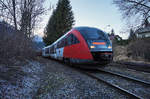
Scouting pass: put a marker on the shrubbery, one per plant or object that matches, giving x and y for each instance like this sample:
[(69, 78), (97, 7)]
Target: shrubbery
[(140, 48), (136, 48), (14, 44)]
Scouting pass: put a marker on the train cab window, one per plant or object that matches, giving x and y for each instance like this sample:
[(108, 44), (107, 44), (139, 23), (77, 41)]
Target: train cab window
[(93, 34)]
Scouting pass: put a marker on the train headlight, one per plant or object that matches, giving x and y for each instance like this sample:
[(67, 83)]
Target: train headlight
[(92, 46), (109, 47)]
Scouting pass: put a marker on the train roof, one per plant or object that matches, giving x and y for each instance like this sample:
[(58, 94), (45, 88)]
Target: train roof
[(86, 28)]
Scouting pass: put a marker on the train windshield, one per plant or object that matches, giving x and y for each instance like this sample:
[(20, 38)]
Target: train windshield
[(93, 34)]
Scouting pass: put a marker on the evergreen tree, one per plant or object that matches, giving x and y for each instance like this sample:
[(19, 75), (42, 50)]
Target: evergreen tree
[(60, 22)]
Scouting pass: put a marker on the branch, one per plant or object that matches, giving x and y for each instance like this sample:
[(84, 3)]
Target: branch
[(3, 4), (138, 3)]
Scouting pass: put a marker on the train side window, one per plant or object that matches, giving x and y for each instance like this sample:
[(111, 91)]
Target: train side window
[(69, 40), (59, 44), (52, 49), (47, 50), (62, 43), (75, 40)]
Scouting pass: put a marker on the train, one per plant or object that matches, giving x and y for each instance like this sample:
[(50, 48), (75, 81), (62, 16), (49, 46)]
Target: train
[(81, 45)]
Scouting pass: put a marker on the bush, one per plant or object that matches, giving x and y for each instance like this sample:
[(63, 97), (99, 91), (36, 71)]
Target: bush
[(121, 42), (140, 48), (14, 44)]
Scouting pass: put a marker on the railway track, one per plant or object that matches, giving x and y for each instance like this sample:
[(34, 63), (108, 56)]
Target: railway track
[(136, 66), (125, 76), (131, 93)]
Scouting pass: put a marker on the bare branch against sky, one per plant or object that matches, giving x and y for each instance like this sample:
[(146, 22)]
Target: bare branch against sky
[(132, 9), (23, 14)]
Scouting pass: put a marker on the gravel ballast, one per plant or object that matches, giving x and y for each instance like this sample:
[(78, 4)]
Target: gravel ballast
[(50, 79), (65, 82), (22, 83), (132, 86)]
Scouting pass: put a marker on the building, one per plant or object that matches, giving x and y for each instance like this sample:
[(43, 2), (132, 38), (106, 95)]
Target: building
[(143, 32)]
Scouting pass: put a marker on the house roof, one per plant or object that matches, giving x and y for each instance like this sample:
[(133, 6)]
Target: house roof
[(143, 30)]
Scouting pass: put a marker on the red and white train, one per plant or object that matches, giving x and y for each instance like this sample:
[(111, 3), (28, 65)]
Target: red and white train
[(81, 45)]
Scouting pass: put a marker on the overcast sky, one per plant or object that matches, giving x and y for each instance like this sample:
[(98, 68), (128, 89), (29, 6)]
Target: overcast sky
[(101, 14)]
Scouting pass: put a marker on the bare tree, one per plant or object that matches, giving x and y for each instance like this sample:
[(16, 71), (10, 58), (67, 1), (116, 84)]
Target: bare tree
[(30, 11), (24, 14), (132, 8)]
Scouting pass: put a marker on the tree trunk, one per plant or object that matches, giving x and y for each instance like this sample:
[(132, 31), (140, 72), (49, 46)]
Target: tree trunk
[(14, 13)]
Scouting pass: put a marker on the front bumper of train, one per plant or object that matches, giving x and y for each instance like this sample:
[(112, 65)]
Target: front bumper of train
[(102, 56)]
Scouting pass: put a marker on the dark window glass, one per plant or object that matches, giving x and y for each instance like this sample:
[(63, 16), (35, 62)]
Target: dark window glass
[(71, 39), (52, 49), (65, 42), (93, 34), (47, 51), (74, 40), (59, 44), (68, 40)]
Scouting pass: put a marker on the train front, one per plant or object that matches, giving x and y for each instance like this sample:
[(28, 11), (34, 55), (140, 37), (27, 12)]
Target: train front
[(99, 44)]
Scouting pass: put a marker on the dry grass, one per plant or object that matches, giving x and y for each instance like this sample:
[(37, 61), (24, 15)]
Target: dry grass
[(120, 53)]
